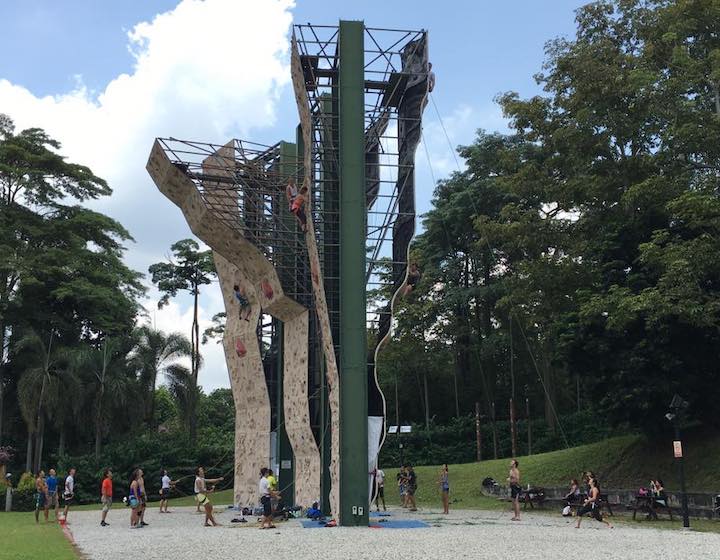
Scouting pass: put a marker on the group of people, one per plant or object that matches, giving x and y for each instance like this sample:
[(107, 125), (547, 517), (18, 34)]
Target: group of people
[(407, 486), (47, 497)]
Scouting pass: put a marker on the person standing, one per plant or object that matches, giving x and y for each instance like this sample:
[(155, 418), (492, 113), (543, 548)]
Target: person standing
[(444, 483), (515, 489), (41, 496), (134, 499), (265, 492), (165, 488), (202, 491), (143, 500), (411, 488), (106, 496), (69, 493), (380, 489), (52, 484)]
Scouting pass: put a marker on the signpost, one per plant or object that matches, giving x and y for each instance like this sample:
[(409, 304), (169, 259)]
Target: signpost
[(677, 405)]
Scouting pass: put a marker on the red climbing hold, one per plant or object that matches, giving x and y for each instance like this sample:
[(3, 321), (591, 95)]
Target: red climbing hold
[(267, 289), (240, 348)]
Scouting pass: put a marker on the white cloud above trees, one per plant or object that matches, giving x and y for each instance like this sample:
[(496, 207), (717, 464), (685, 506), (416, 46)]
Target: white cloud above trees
[(206, 70)]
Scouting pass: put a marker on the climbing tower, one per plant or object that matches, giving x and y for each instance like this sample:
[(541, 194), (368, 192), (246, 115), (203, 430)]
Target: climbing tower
[(302, 375)]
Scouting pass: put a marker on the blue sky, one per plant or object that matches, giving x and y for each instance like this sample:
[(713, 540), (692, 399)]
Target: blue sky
[(105, 81)]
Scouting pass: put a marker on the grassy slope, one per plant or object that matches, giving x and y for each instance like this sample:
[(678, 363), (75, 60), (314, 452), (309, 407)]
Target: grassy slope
[(621, 462), (22, 539)]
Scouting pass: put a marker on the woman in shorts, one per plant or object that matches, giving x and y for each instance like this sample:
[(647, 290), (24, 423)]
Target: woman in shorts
[(134, 499), (592, 505), (444, 483), (201, 494)]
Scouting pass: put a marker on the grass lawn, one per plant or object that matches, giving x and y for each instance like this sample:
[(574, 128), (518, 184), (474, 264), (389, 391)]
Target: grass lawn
[(22, 539)]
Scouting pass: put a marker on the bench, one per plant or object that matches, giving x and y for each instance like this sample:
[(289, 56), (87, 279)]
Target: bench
[(532, 496), (650, 505)]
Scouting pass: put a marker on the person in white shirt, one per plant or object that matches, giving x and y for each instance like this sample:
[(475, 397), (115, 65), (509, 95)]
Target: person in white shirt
[(380, 488), (266, 493), (165, 488), (69, 494), (430, 78)]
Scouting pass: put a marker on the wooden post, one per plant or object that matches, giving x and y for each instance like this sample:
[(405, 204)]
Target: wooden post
[(513, 431), (527, 415), (478, 436)]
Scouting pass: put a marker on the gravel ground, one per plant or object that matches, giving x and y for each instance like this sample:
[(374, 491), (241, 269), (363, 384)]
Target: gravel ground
[(180, 535)]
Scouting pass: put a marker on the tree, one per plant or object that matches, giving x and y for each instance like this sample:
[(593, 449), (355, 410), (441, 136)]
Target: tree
[(188, 270), (108, 383), (155, 352), (61, 266), (216, 330), (46, 385)]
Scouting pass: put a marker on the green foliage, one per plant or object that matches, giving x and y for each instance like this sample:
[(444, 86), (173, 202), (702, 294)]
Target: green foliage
[(575, 261), (26, 482)]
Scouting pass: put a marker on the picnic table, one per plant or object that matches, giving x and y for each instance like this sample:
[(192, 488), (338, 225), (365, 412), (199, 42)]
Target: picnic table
[(532, 495), (649, 504)]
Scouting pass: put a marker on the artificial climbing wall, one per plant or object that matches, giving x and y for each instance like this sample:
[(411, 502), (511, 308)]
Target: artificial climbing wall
[(297, 414), (331, 369), (247, 379)]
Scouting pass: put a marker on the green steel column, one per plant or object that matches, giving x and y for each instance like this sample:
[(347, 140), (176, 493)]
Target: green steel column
[(286, 474), (353, 334)]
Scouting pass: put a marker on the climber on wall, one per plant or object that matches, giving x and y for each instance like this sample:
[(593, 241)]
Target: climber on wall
[(412, 279), (245, 308), (298, 208)]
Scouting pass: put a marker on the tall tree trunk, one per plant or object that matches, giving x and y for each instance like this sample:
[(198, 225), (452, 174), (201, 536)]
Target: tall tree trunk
[(39, 442), (29, 451), (457, 401), (192, 400), (98, 422), (2, 400), (427, 403), (61, 441)]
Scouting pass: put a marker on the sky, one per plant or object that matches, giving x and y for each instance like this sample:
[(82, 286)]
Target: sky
[(105, 78)]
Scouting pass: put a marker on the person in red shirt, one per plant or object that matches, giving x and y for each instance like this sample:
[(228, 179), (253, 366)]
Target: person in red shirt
[(106, 494)]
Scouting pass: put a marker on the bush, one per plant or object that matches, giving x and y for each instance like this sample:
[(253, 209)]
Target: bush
[(152, 452)]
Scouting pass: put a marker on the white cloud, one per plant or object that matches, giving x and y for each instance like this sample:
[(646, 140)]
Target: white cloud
[(206, 70)]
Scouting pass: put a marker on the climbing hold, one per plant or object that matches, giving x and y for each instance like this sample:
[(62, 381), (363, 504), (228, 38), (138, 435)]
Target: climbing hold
[(240, 349), (267, 289)]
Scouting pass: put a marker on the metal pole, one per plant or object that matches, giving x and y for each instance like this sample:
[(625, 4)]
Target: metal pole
[(681, 472), (353, 330), (478, 435)]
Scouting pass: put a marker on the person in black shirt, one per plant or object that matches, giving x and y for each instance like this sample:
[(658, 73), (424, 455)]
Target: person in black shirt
[(411, 488)]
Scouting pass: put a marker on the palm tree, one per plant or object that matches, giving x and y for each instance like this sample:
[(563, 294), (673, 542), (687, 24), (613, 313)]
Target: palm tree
[(41, 387), (180, 384), (108, 382), (154, 353)]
